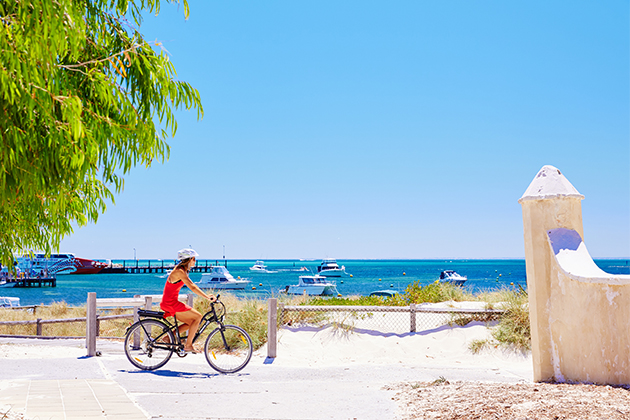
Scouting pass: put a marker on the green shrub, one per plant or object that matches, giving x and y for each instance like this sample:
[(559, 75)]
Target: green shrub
[(513, 330), (433, 292), (414, 293)]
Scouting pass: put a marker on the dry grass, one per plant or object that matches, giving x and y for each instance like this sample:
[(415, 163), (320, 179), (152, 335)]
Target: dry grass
[(443, 400), (60, 310)]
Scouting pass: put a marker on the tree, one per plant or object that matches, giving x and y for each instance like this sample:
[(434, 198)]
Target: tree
[(83, 99)]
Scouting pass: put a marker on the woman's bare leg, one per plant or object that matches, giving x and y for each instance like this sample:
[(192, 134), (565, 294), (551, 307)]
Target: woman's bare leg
[(191, 319)]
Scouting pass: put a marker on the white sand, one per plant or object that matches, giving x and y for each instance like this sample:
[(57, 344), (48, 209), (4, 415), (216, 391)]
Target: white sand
[(336, 347), (440, 346)]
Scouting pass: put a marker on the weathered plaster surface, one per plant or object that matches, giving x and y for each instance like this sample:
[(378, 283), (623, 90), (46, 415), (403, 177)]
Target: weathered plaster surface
[(579, 314)]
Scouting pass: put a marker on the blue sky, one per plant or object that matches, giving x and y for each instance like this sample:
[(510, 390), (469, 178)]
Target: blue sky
[(373, 129)]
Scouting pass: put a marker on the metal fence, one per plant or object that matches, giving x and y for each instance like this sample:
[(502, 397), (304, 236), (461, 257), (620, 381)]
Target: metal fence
[(384, 319)]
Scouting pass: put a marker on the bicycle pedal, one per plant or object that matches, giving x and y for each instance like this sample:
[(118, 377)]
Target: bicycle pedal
[(182, 353)]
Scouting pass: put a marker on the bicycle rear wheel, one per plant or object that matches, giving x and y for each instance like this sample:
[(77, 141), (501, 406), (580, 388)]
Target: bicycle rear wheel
[(228, 349), (144, 345)]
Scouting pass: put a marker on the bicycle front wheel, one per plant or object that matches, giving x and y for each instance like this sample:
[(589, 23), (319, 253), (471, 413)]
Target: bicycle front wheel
[(147, 344), (228, 349)]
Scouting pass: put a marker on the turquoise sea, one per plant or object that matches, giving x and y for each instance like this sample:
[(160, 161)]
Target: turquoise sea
[(367, 276)]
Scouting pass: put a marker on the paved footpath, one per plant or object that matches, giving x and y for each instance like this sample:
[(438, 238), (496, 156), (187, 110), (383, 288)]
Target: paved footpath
[(68, 386)]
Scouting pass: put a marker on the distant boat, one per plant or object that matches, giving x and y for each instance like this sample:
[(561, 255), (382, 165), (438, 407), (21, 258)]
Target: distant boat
[(450, 276), (7, 284), (384, 293), (313, 286), (260, 267), (330, 268), (220, 278)]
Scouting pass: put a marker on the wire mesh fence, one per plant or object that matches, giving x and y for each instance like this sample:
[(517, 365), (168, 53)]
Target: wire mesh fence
[(384, 319)]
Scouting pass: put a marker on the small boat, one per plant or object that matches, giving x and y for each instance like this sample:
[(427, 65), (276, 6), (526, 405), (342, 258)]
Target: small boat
[(220, 278), (450, 276), (260, 267), (9, 302), (313, 286), (330, 268), (384, 293), (6, 284)]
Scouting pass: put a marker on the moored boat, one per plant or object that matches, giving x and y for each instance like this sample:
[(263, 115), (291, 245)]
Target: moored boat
[(330, 268), (67, 263), (7, 284), (450, 276), (85, 266), (313, 286), (220, 278)]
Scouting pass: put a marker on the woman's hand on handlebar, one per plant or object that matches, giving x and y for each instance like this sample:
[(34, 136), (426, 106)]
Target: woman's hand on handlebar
[(213, 298)]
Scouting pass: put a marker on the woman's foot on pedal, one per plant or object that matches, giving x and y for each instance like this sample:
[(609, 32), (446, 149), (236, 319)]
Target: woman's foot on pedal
[(191, 350)]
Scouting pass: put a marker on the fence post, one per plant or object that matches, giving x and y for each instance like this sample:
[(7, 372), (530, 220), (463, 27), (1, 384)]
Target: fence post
[(136, 318), (148, 303), (90, 327), (190, 299), (412, 314), (39, 326), (272, 327)]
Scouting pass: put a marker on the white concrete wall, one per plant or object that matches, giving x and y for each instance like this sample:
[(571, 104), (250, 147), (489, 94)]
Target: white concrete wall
[(580, 315)]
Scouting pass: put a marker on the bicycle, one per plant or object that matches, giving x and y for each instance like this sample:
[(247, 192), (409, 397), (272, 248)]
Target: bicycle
[(150, 342)]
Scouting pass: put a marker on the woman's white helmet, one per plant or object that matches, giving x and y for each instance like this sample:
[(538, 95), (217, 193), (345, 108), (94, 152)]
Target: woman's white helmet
[(184, 254)]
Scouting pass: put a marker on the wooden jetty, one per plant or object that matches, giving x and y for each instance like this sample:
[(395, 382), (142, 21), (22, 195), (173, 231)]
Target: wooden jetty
[(202, 266), (34, 282)]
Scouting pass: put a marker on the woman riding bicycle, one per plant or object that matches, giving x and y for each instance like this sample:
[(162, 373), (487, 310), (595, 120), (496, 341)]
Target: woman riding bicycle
[(171, 305)]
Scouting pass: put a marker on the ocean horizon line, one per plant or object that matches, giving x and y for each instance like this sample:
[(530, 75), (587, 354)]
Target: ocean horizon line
[(349, 259)]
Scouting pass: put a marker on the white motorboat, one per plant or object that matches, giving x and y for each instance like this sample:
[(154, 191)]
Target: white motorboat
[(450, 276), (6, 284), (9, 302), (330, 268), (313, 286), (260, 267), (220, 278)]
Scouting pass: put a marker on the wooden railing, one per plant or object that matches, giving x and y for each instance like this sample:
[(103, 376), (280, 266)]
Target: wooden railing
[(92, 319)]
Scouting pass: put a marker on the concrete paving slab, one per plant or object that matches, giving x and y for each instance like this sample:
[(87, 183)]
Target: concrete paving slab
[(188, 388), (69, 398)]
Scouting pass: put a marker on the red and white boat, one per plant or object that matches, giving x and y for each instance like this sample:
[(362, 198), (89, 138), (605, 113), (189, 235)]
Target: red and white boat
[(35, 264), (85, 266)]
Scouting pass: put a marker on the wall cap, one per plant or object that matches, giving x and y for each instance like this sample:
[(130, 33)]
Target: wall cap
[(549, 183)]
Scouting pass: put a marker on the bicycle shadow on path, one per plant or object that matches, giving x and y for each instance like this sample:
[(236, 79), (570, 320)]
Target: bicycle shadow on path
[(166, 373)]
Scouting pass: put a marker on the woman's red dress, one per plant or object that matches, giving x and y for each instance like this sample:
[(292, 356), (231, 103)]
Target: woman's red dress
[(170, 303)]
